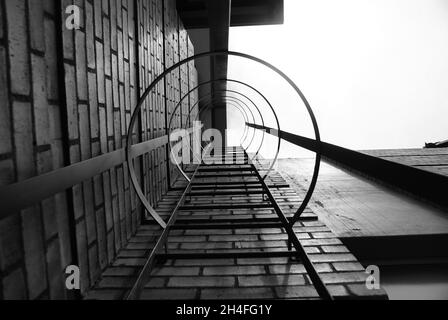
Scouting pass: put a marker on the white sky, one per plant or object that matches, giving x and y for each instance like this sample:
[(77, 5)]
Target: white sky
[(374, 72)]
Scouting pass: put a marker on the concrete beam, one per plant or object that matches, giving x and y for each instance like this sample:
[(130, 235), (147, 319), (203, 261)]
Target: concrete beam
[(219, 12), (243, 13)]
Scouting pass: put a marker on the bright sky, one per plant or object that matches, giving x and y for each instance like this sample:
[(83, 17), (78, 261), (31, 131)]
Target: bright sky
[(374, 71)]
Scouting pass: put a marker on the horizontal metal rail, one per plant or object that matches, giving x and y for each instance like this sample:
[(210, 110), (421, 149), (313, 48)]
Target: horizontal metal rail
[(21, 195)]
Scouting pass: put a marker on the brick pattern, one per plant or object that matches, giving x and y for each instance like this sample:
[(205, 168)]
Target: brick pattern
[(236, 278), (153, 110), (193, 81), (108, 62), (34, 244), (172, 82), (178, 82), (184, 75), (100, 62), (119, 64)]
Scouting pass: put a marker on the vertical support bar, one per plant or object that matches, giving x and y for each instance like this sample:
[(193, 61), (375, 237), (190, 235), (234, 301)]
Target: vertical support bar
[(313, 274), (219, 13)]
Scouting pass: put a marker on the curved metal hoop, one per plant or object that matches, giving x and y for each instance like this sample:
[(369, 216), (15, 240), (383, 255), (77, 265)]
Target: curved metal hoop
[(243, 95), (253, 136), (261, 116), (236, 103), (202, 110), (137, 110), (200, 100), (242, 111), (229, 80), (264, 98), (207, 96), (237, 100)]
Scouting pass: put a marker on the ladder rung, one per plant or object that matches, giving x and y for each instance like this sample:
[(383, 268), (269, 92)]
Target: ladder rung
[(226, 187), (214, 165), (230, 254), (229, 187), (208, 193), (215, 187), (224, 169), (227, 155), (215, 226), (228, 222), (226, 183), (225, 206), (204, 176)]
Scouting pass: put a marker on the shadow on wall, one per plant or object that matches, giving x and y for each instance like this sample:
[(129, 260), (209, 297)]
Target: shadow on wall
[(415, 282)]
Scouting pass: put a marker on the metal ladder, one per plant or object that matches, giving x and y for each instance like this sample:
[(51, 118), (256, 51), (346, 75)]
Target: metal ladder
[(197, 188)]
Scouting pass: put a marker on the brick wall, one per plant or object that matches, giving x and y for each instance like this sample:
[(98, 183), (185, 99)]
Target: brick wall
[(153, 112), (35, 243), (193, 81), (67, 96)]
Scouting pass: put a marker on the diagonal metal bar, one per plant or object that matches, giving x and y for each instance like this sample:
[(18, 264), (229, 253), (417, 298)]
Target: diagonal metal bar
[(21, 195), (420, 183), (302, 255), (145, 273)]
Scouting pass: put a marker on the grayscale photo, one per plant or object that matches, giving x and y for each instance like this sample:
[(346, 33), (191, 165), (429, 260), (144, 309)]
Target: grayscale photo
[(223, 158)]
